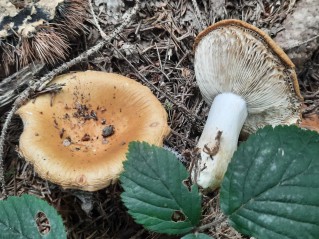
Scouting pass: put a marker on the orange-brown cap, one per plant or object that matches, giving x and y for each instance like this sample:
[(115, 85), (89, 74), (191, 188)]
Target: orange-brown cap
[(234, 56), (79, 137)]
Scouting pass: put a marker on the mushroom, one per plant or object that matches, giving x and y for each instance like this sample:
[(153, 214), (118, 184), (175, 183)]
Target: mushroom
[(78, 138), (249, 83)]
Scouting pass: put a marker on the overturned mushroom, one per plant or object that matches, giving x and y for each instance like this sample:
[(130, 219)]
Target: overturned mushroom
[(81, 139), (249, 83)]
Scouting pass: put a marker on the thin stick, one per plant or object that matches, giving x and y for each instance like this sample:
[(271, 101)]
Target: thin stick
[(159, 57), (212, 224), (2, 139), (198, 15), (102, 33), (45, 80), (11, 86), (302, 43)]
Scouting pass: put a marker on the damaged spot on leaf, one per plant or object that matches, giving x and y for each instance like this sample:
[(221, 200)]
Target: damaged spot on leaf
[(43, 223), (188, 184), (178, 216)]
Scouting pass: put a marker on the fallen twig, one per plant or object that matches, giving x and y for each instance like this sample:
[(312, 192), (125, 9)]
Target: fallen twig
[(302, 43), (198, 15), (11, 86), (212, 224)]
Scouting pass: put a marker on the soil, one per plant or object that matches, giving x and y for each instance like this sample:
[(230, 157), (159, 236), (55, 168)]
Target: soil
[(158, 45)]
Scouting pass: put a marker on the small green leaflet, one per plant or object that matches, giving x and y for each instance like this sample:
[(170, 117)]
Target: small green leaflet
[(18, 218), (197, 236), (271, 187), (154, 192)]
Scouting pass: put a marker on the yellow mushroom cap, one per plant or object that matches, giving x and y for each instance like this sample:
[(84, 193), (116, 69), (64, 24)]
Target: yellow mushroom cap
[(65, 137)]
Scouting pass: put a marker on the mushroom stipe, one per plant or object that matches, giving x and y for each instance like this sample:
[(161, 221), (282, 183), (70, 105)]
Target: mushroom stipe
[(83, 137)]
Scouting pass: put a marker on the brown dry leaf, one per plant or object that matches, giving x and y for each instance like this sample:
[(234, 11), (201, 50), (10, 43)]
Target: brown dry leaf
[(186, 72), (310, 122)]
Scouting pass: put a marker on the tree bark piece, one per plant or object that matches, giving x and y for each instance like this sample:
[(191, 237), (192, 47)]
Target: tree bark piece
[(301, 35)]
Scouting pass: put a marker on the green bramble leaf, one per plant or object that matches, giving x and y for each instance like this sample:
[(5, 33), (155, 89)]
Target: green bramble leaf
[(154, 192), (19, 219), (271, 187)]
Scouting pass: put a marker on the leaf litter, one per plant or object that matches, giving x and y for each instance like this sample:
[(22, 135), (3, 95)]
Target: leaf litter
[(158, 44)]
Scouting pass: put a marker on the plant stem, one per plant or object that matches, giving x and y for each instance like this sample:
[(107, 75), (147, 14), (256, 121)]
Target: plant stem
[(212, 224)]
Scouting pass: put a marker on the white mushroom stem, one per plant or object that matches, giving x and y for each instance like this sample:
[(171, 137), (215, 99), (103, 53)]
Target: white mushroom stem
[(219, 139)]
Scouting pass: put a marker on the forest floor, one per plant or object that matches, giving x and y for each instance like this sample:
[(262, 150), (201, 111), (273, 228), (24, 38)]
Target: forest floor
[(157, 45)]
